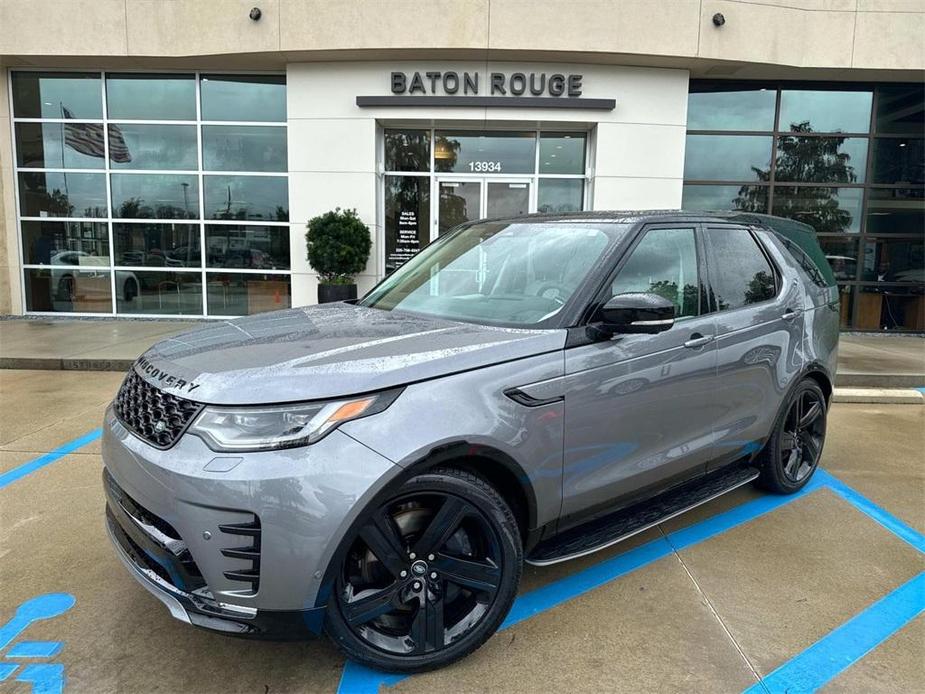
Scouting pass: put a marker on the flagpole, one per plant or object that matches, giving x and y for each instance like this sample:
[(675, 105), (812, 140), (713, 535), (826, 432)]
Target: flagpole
[(67, 193)]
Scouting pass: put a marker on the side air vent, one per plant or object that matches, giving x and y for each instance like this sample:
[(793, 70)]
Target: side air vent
[(248, 533)]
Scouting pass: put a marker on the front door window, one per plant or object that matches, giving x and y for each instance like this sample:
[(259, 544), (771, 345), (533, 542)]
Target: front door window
[(467, 200)]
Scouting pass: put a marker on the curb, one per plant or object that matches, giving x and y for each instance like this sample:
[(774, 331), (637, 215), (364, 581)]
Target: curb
[(880, 396), (878, 380), (48, 364)]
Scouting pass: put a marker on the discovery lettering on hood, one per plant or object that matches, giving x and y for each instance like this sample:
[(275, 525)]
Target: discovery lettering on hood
[(164, 378)]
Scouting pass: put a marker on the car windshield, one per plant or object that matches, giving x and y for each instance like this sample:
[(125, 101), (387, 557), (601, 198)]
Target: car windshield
[(517, 274)]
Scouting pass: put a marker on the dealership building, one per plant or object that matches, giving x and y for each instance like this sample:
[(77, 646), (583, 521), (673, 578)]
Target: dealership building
[(162, 158)]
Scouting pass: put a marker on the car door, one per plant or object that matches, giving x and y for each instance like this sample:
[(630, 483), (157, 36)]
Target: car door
[(759, 332), (638, 408)]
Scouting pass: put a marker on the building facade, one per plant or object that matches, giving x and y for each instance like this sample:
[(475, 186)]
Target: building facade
[(163, 158)]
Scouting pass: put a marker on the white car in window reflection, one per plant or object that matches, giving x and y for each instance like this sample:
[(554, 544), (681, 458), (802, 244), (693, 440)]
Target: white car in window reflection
[(70, 267)]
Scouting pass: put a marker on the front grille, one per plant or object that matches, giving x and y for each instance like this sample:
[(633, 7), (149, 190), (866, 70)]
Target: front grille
[(156, 417)]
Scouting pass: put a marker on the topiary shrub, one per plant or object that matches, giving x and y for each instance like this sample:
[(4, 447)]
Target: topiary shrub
[(338, 246)]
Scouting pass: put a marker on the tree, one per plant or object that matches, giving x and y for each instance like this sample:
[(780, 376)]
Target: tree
[(805, 159)]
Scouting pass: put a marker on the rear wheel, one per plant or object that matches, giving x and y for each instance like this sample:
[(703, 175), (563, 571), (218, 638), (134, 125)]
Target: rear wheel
[(429, 576), (793, 452)]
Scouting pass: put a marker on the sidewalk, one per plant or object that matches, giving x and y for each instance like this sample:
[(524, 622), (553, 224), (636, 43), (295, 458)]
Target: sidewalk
[(865, 361)]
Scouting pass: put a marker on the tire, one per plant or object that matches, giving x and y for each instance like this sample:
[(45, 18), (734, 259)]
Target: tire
[(792, 453), (415, 622)]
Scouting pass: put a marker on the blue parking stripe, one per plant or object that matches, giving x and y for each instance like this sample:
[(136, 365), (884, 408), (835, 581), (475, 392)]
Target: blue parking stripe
[(34, 649), (841, 648), (7, 478), (865, 505)]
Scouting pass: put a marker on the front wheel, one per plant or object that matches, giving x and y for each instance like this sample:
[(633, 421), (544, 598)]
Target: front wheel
[(429, 576), (793, 451)]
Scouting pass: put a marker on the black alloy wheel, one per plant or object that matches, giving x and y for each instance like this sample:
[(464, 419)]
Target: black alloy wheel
[(793, 452), (429, 575)]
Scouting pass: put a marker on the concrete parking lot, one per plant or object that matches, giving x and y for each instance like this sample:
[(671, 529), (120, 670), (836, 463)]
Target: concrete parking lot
[(820, 591)]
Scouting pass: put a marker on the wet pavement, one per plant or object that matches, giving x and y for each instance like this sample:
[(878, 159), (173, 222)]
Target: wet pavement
[(746, 587)]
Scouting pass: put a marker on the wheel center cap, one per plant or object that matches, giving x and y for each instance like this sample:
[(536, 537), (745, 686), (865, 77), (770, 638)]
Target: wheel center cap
[(419, 568)]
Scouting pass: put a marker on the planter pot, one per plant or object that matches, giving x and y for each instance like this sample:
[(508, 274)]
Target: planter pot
[(336, 292)]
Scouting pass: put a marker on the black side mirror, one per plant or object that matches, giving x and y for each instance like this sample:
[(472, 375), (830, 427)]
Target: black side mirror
[(637, 313)]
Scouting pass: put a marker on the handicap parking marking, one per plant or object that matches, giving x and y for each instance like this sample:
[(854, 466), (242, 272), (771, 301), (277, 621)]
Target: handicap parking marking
[(27, 468), (889, 611), (46, 678)]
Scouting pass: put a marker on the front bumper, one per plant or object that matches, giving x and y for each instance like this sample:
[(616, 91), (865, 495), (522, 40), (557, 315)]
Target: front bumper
[(239, 543)]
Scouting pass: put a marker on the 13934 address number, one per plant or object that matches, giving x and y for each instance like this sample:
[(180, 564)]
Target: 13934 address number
[(485, 166)]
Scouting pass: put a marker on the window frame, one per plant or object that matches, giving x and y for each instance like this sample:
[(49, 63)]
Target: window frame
[(775, 270), (107, 170)]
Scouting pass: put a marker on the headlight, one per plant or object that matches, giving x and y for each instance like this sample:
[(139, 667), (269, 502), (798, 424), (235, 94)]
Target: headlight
[(281, 426)]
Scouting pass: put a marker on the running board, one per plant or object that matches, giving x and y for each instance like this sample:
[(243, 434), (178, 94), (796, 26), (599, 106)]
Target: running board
[(608, 530)]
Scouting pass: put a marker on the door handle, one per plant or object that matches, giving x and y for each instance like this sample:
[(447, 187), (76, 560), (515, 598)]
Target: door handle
[(790, 314), (698, 340)]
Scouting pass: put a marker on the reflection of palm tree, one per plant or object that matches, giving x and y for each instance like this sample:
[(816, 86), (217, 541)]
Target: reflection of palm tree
[(804, 160)]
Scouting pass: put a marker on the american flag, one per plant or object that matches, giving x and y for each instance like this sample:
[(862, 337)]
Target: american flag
[(87, 138)]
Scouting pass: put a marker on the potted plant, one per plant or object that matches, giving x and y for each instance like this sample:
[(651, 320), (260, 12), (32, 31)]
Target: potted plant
[(338, 248)]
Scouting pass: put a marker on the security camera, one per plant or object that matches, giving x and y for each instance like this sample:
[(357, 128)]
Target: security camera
[(256, 14), (718, 19)]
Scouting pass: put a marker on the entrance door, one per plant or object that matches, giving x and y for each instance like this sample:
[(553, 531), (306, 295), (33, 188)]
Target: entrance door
[(465, 200)]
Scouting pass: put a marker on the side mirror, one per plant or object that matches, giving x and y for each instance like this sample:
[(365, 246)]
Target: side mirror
[(637, 313)]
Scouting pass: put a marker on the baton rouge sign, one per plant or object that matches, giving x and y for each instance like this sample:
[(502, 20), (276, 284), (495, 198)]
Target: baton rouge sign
[(517, 83), (514, 89)]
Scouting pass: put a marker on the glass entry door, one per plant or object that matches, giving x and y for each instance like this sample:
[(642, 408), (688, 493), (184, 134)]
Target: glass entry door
[(465, 200)]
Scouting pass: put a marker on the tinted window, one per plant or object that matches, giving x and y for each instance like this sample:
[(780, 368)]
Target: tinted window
[(664, 263), (243, 97), (727, 157), (486, 152), (151, 97), (136, 146), (407, 150), (743, 275), (825, 111), (243, 148), (57, 95), (731, 108), (745, 197), (562, 153)]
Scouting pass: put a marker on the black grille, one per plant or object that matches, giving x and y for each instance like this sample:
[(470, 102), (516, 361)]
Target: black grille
[(151, 414)]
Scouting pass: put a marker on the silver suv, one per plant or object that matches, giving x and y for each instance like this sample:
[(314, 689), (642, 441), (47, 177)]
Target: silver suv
[(529, 389)]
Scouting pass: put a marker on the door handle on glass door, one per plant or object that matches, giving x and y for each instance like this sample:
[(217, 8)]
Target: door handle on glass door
[(698, 340)]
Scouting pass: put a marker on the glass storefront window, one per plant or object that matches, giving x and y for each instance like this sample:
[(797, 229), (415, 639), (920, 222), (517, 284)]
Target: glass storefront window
[(156, 245), (246, 198), (159, 292), (247, 247), (59, 145), (896, 211), (821, 160), (155, 171), (485, 152), (745, 197), (145, 96), (890, 307), (407, 150), (65, 243), (562, 153), (165, 147), (827, 210), (60, 194), (560, 195), (824, 111), (243, 148), (407, 218), (237, 294), (899, 161), (727, 157), (894, 260), (842, 254), (68, 290), (254, 98), (155, 196), (731, 108), (57, 95), (901, 109)]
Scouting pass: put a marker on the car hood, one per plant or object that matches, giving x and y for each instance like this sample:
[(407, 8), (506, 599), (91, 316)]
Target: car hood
[(327, 351)]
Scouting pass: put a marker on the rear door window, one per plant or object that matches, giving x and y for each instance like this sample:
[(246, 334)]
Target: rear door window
[(740, 273)]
